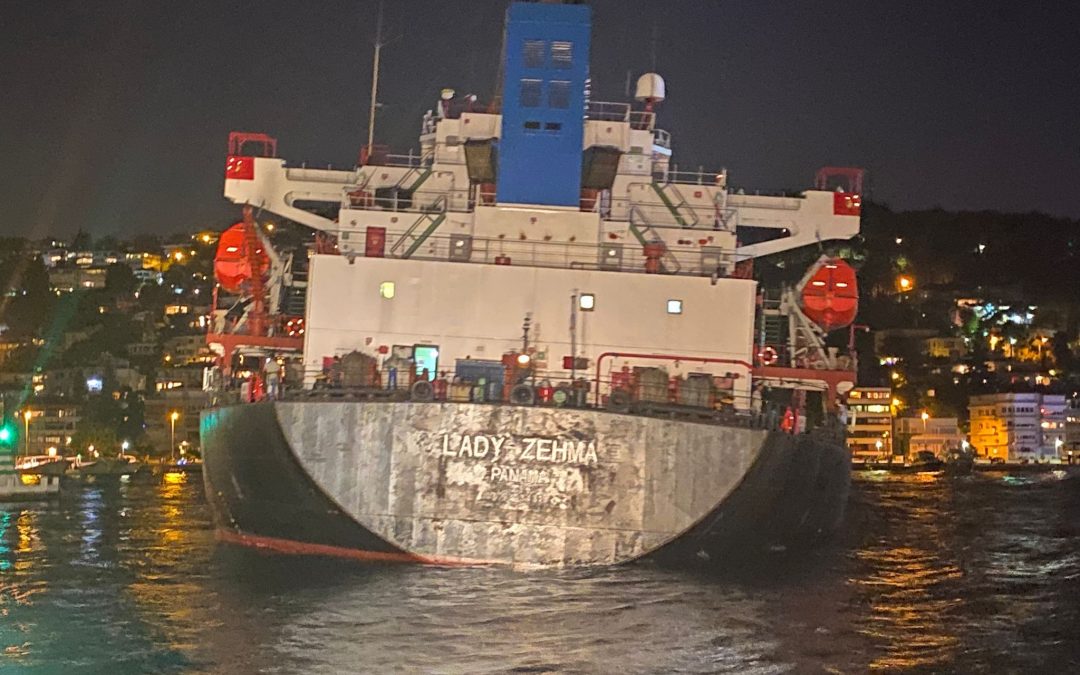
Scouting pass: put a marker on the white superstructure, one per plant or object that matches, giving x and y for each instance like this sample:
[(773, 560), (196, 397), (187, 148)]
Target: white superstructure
[(633, 264)]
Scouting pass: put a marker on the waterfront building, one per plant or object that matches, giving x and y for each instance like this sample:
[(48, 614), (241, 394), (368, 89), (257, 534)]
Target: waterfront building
[(1015, 427), (937, 435), (870, 423), (47, 426), (187, 403), (1072, 428)]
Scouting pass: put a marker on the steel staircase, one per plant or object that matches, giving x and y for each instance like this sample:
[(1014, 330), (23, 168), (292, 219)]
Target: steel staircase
[(674, 206), (410, 241), (646, 234)]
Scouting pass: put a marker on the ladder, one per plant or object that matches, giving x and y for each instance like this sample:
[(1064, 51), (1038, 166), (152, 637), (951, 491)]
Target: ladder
[(646, 234), (411, 241), (673, 207), (421, 174)]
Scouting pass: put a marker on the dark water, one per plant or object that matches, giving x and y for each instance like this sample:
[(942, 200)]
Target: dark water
[(980, 574)]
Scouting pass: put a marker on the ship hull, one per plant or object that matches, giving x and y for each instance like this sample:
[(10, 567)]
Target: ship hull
[(448, 484)]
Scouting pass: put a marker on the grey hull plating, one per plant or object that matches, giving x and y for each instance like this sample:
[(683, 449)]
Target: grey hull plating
[(524, 486)]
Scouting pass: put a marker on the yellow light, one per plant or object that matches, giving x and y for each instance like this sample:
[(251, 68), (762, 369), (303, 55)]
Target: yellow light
[(905, 283), (386, 290), (270, 227), (897, 402), (178, 255), (925, 416), (27, 415), (523, 359), (174, 416), (895, 375), (206, 239), (52, 451)]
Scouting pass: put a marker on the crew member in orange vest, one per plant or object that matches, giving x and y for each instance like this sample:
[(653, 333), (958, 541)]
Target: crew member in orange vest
[(788, 423)]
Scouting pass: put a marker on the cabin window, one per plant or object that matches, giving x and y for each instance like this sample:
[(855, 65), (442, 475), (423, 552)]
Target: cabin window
[(426, 358), (674, 306), (553, 127), (559, 94), (562, 54), (534, 53), (530, 93), (532, 125)]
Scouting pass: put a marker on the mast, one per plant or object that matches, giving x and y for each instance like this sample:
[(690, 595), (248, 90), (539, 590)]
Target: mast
[(375, 79)]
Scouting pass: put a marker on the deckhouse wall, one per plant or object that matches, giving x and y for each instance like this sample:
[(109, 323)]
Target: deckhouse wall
[(477, 311)]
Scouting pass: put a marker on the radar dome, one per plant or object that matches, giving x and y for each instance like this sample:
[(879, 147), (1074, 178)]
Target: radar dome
[(650, 88)]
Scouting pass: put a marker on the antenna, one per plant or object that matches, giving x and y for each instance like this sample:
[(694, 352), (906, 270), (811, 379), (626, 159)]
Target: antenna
[(375, 79), (655, 35)]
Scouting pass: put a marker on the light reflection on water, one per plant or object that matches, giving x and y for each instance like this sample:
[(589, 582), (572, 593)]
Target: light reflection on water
[(934, 573)]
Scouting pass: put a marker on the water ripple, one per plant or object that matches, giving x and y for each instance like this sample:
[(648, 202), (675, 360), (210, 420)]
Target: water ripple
[(980, 574)]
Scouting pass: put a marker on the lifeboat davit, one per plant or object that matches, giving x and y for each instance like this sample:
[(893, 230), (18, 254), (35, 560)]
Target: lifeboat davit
[(830, 296), (233, 262)]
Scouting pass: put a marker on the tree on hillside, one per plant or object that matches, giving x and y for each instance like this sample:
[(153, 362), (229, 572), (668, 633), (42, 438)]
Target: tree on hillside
[(82, 241), (120, 280)]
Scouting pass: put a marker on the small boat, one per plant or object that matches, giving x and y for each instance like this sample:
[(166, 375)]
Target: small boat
[(16, 486)]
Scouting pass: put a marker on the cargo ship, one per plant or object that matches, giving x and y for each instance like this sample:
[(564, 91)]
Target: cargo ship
[(532, 341)]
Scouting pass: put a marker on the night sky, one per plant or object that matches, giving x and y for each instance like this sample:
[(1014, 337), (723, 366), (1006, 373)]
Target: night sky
[(114, 115)]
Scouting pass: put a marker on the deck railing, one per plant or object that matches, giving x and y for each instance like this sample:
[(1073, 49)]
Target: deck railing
[(623, 256)]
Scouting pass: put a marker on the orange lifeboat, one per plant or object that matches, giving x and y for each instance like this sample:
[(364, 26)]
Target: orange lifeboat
[(233, 262), (830, 296)]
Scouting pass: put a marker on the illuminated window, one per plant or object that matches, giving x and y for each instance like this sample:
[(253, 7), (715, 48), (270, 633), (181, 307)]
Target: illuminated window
[(587, 302), (562, 54), (533, 53), (674, 306), (386, 289), (559, 94), (530, 93)]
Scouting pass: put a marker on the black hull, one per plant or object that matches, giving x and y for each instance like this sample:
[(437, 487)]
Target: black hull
[(260, 495), (793, 496)]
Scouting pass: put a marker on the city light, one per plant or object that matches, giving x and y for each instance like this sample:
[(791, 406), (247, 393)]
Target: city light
[(173, 416), (905, 283)]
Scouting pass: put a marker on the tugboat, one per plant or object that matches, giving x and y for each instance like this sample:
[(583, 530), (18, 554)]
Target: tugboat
[(533, 342)]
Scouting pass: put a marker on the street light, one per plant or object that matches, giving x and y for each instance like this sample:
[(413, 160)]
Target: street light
[(26, 431), (173, 416), (925, 416)]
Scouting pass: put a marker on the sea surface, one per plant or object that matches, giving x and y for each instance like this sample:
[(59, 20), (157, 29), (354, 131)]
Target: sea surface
[(934, 574)]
